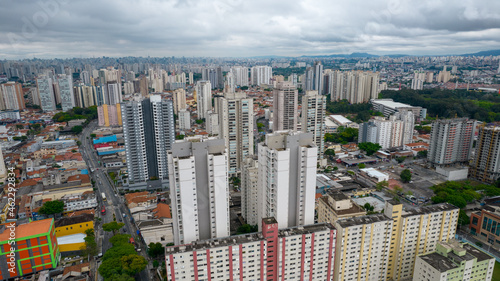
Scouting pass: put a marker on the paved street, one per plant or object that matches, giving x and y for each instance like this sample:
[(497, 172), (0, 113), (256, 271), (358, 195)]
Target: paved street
[(114, 203)]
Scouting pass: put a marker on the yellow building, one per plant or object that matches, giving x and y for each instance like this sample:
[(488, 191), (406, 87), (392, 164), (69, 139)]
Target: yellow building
[(336, 205), (70, 231)]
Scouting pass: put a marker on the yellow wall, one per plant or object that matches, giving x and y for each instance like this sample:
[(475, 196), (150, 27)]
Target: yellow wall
[(71, 247), (119, 113), (106, 115), (74, 228)]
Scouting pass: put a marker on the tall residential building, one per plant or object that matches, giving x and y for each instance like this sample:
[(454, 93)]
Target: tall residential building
[(198, 172), (486, 163), (85, 96), (46, 93), (184, 119), (3, 170), (395, 131), (451, 141), (298, 253), (210, 74), (236, 127), (240, 74), (11, 96), (66, 90), (204, 98), (362, 248), (287, 178), (285, 107), (416, 232), (260, 74), (220, 77), (249, 190), (212, 123), (314, 78), (313, 118), (417, 83), (179, 97), (454, 261), (109, 115), (353, 86), (148, 131), (34, 248), (112, 93)]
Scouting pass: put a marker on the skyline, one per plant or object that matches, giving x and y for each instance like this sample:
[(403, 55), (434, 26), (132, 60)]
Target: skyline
[(234, 28)]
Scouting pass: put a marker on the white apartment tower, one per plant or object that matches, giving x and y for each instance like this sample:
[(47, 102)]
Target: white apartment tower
[(240, 74), (451, 141), (236, 127), (11, 96), (66, 89), (287, 178), (199, 190), (249, 190), (313, 116), (261, 74), (285, 107), (184, 119), (204, 98), (354, 86), (148, 131), (46, 93)]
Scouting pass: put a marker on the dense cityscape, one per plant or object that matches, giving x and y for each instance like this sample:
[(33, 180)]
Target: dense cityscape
[(295, 157)]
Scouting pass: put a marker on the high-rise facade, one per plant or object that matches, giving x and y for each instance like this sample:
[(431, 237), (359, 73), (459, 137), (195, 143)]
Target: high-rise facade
[(287, 178), (353, 86), (236, 127), (240, 74), (313, 116), (179, 97), (66, 91), (395, 131), (112, 93), (46, 93), (249, 190), (11, 96), (314, 78), (417, 83), (297, 253), (451, 141), (486, 163), (148, 131), (260, 74), (210, 74), (285, 107), (204, 98), (199, 190), (184, 119)]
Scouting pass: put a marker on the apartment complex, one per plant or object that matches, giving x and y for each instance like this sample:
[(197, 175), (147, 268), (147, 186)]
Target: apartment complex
[(451, 141), (389, 107), (109, 115), (287, 178), (249, 190), (353, 86), (285, 107), (199, 189), (66, 91), (203, 98), (46, 93), (240, 75), (298, 253), (148, 131), (314, 78), (454, 261), (260, 74), (395, 131), (35, 248), (313, 118), (235, 112), (486, 162), (11, 96), (179, 98)]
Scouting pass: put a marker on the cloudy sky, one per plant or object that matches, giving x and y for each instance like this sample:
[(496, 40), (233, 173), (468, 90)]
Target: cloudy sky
[(241, 28)]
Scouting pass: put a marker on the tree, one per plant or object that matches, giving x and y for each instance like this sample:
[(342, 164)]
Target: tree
[(381, 185), (422, 154), (179, 137), (401, 159), (463, 218), (121, 277), (19, 126), (235, 181), (156, 264), (77, 129), (369, 147), (405, 175), (119, 239), (90, 248), (112, 226), (244, 88), (133, 264), (119, 251), (52, 207), (247, 228), (155, 249), (110, 267), (93, 135), (368, 207), (330, 152), (362, 165), (200, 121)]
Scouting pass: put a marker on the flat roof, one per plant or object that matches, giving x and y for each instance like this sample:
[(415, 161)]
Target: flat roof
[(363, 220), (340, 119), (28, 229), (429, 209), (439, 262), (71, 239), (374, 172), (390, 103)]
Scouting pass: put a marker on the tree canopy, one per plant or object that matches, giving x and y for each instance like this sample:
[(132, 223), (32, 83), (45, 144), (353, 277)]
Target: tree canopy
[(405, 175), (155, 249), (112, 226), (343, 135), (52, 207), (459, 193), (369, 147), (247, 228)]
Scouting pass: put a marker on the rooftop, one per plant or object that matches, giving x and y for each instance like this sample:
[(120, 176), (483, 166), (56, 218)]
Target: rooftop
[(74, 220), (429, 209), (28, 229), (363, 220), (390, 103), (71, 239), (438, 262)]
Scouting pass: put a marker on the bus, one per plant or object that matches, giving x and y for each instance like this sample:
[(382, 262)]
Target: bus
[(103, 196)]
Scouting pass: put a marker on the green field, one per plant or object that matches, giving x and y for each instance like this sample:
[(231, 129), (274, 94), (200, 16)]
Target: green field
[(496, 272)]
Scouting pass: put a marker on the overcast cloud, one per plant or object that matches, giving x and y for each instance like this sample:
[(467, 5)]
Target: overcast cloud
[(241, 28)]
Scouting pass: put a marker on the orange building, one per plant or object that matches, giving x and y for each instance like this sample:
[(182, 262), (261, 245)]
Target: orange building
[(35, 248)]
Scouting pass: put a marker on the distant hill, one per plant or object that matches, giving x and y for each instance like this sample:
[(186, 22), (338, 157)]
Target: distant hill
[(353, 55), (484, 53)]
